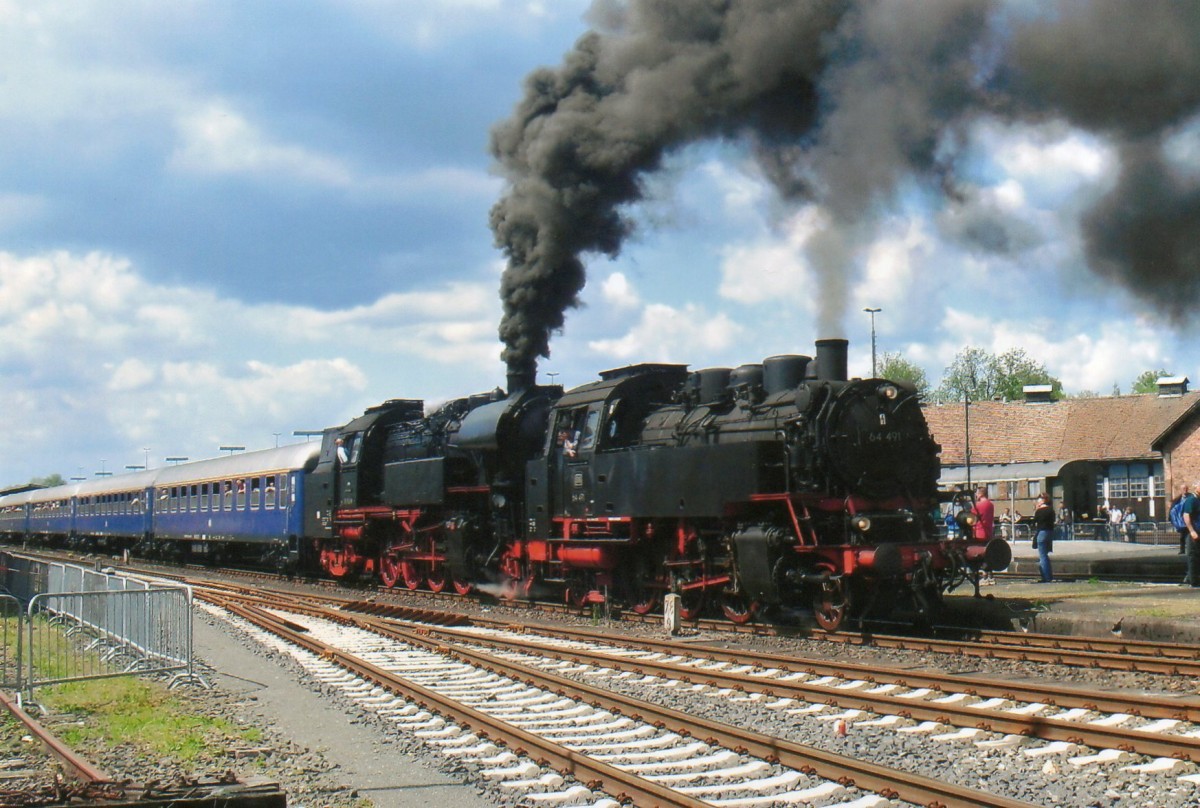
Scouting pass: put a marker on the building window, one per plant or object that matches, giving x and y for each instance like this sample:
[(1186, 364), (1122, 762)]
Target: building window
[(1033, 488)]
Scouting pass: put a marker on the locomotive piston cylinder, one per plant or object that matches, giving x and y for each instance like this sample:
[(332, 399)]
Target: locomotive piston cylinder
[(996, 554), (885, 560)]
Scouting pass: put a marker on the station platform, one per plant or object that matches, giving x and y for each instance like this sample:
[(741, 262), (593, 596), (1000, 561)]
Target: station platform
[(1100, 593)]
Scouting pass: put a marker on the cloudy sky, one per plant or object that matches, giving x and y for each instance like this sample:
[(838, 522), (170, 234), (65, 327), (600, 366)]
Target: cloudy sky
[(222, 222)]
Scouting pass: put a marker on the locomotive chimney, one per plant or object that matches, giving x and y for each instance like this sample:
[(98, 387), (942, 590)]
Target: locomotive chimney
[(831, 359), (521, 377)]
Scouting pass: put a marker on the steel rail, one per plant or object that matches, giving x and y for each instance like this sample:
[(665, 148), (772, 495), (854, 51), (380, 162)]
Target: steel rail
[(74, 766), (1172, 659), (624, 786), (1051, 729), (1143, 705), (883, 780), (890, 783)]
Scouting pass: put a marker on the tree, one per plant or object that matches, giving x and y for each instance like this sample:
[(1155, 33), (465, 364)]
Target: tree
[(1147, 381), (982, 376), (895, 367), (48, 481), (972, 374), (1017, 369)]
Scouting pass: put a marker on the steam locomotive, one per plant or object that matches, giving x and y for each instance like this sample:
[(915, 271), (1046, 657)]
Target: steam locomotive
[(780, 484)]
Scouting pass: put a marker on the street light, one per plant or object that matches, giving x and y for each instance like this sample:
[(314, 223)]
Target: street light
[(552, 374), (136, 468), (276, 434), (232, 449), (175, 460), (872, 312), (146, 449), (308, 433)]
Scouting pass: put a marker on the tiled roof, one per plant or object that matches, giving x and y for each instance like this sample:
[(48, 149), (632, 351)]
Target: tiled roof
[(1113, 428)]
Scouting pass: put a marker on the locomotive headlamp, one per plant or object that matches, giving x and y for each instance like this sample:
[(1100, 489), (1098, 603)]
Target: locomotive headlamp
[(862, 524), (890, 392), (499, 501)]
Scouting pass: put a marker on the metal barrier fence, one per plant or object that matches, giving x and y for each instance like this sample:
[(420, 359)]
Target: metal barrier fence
[(11, 642), (93, 635), (71, 623), (25, 577)]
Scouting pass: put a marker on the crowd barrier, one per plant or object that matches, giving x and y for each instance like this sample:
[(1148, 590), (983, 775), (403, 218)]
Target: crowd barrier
[(70, 623)]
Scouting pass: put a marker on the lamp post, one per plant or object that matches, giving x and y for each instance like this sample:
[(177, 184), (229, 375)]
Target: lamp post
[(146, 449), (872, 312), (232, 449), (176, 460), (276, 434)]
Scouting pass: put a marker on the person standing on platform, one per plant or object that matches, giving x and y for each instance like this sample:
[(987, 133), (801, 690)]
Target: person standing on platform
[(1191, 518), (1043, 535), (985, 510), (985, 524), (1179, 524), (1115, 515), (1130, 525)]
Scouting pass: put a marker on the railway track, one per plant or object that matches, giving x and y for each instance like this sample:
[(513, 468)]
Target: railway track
[(629, 747), (1013, 718), (1116, 654)]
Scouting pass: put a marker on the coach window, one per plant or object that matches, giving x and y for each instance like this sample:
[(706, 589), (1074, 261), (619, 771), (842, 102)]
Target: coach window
[(240, 504), (162, 500), (203, 496), (270, 496), (227, 494), (194, 498), (255, 493), (283, 487)]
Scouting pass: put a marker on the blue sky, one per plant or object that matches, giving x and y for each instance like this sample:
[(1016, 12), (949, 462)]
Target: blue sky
[(220, 221)]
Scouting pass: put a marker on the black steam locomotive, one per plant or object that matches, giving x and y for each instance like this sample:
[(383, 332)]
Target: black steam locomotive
[(775, 484)]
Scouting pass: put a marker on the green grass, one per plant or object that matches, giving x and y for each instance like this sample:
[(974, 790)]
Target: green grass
[(142, 714)]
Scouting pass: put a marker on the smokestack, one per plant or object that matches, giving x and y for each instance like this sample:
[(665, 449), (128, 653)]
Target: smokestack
[(831, 360), (521, 376)]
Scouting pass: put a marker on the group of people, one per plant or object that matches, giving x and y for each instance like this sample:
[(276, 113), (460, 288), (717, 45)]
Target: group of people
[(1121, 524), (1043, 527), (1188, 525)]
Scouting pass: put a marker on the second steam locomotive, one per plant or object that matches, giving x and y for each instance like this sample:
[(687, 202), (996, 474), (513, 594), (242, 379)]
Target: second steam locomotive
[(778, 484)]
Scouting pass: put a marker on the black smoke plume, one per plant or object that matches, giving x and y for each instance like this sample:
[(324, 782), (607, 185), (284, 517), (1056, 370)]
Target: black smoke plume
[(840, 101)]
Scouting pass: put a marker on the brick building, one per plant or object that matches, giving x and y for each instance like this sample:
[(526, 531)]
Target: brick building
[(1123, 451)]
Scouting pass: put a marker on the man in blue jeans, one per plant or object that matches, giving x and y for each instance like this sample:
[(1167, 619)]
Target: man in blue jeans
[(1191, 520)]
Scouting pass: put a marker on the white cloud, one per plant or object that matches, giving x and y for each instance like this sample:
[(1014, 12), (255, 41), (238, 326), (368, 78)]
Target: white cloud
[(617, 291), (217, 139), (893, 264), (774, 267), (94, 359), (668, 334)]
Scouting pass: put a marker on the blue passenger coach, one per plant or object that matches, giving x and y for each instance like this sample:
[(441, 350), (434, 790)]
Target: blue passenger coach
[(14, 514), (247, 505), (251, 502), (111, 511)]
